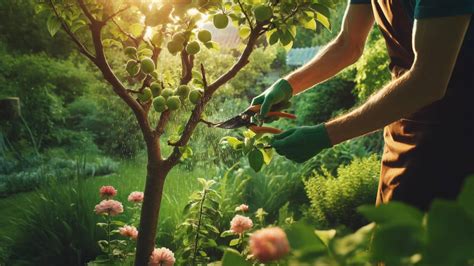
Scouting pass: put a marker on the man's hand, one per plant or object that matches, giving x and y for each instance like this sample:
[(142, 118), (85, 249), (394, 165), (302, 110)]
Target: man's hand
[(279, 92), (301, 143)]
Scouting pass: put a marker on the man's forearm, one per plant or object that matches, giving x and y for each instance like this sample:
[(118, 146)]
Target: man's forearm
[(331, 60), (398, 99)]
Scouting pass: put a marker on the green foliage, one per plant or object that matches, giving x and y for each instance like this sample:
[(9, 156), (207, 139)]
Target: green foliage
[(335, 198), (372, 67), (29, 175), (198, 231), (321, 103)]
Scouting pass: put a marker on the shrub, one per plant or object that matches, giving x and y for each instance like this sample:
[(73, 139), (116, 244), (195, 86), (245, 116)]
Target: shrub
[(322, 102), (334, 199), (372, 67)]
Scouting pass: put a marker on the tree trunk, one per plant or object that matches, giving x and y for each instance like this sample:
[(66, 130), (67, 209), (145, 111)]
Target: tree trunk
[(157, 171)]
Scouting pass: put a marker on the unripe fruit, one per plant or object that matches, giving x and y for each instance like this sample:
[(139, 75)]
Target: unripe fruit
[(174, 47), (147, 65), (145, 95), (159, 103), (263, 13), (183, 91), (195, 96), (132, 67), (173, 103), (193, 47), (179, 38), (156, 89), (220, 21), (204, 36), (167, 93), (130, 51)]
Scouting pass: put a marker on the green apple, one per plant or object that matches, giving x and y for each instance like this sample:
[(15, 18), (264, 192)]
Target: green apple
[(159, 103), (263, 13), (204, 36), (156, 88), (173, 103), (220, 21), (132, 67), (146, 95), (193, 47), (147, 65), (167, 93), (195, 96)]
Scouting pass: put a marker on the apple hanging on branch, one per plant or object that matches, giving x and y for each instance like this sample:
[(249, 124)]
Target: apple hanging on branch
[(142, 30)]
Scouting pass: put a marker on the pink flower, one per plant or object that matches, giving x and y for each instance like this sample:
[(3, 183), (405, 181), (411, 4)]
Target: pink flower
[(162, 257), (242, 208), (240, 224), (129, 231), (269, 244), (110, 207), (135, 197), (107, 191)]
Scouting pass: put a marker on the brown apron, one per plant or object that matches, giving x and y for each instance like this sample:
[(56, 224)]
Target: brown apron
[(428, 154)]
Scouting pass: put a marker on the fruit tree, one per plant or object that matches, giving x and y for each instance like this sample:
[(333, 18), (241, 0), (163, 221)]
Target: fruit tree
[(142, 30)]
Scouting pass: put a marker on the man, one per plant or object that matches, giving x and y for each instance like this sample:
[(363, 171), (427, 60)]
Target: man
[(426, 109)]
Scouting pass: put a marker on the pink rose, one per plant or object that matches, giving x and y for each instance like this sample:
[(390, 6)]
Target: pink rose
[(107, 191), (269, 244), (240, 224), (162, 257), (136, 197), (242, 208), (129, 231), (110, 207)]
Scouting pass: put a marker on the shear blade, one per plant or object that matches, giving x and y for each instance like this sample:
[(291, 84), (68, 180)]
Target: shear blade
[(234, 122)]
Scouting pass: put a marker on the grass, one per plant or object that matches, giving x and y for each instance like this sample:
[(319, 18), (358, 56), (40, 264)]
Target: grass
[(62, 215)]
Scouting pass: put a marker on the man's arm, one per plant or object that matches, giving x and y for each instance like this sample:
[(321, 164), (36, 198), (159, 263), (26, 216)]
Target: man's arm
[(436, 44), (340, 53)]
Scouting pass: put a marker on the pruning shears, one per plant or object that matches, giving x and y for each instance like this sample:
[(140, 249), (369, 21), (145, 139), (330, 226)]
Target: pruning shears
[(250, 119)]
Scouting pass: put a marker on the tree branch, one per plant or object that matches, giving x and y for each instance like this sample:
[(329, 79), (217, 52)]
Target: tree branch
[(86, 12), (195, 116), (80, 46), (246, 15), (115, 14), (187, 62)]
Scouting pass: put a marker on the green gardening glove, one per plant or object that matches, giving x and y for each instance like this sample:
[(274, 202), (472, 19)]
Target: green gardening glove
[(301, 143), (279, 92)]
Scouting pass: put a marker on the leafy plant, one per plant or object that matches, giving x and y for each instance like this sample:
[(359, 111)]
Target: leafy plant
[(334, 199), (254, 146), (198, 231)]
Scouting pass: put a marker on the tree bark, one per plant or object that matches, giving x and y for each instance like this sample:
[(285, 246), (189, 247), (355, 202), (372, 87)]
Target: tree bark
[(157, 171)]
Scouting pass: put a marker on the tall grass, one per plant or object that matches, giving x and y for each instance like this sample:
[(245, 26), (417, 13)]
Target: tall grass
[(58, 223)]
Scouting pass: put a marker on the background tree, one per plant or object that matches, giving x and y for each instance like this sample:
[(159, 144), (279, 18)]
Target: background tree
[(142, 28)]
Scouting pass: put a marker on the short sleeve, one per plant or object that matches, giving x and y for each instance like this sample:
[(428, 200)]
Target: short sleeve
[(443, 8), (360, 1)]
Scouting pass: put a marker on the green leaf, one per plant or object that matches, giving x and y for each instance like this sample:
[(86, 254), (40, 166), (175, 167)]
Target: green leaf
[(255, 159), (310, 24), (288, 46), (244, 32), (233, 258), (136, 29), (111, 42), (267, 155), (466, 198), (212, 45), (145, 52), (304, 241), (394, 212), (323, 20), (450, 235), (274, 37), (227, 233), (53, 24), (232, 141), (325, 235), (285, 37), (395, 243), (234, 242), (353, 242)]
